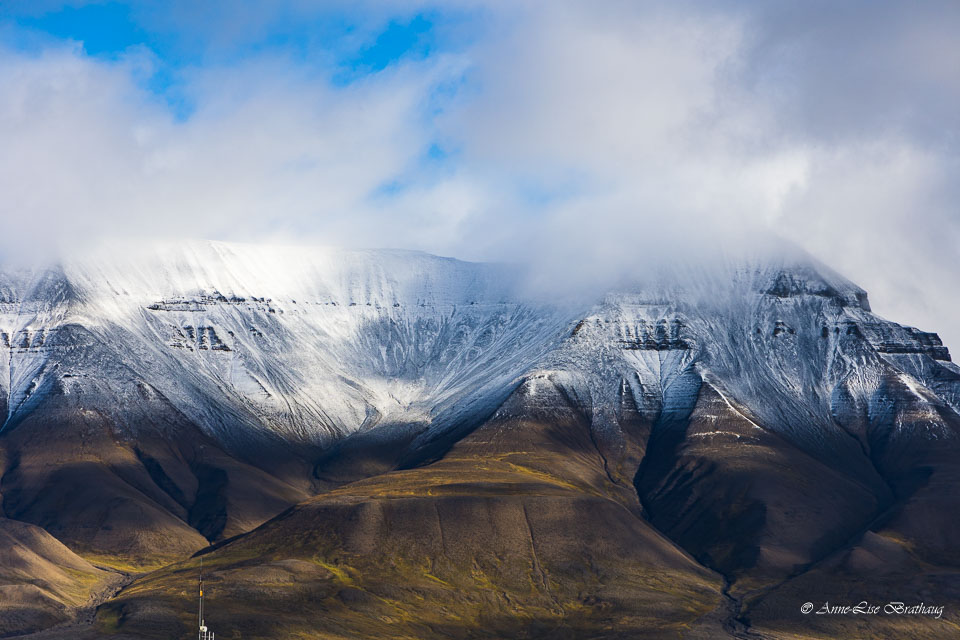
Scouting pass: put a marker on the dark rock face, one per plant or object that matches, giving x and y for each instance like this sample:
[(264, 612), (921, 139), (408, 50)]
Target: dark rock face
[(719, 488), (807, 282), (915, 341), (661, 336)]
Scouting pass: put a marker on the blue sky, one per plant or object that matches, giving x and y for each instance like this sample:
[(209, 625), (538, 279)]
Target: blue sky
[(346, 45), (593, 139), (110, 28)]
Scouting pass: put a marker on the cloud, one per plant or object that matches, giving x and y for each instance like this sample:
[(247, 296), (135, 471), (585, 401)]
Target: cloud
[(655, 130), (592, 139), (269, 148)]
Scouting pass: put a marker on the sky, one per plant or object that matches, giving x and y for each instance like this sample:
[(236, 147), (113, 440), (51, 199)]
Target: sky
[(589, 137)]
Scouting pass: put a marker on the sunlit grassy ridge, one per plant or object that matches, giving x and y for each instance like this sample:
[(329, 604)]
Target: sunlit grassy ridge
[(342, 576)]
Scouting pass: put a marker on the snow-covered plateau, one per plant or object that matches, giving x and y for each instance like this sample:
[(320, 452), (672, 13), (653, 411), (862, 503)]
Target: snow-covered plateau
[(313, 344)]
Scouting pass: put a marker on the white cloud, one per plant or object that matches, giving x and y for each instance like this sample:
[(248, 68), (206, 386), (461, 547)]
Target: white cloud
[(681, 125), (268, 149), (593, 138)]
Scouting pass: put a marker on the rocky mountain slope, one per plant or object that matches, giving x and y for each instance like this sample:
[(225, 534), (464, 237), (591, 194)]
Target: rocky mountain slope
[(693, 454)]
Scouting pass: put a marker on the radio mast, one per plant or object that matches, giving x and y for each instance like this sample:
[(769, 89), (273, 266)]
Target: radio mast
[(204, 633)]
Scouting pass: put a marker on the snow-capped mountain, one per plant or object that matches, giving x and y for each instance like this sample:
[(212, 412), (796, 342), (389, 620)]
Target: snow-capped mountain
[(313, 344), (748, 418), (309, 344)]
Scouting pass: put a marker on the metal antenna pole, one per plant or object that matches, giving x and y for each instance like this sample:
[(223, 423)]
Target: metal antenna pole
[(201, 598)]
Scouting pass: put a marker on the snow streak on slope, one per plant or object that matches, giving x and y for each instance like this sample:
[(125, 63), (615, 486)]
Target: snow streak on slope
[(775, 336), (308, 343), (315, 343)]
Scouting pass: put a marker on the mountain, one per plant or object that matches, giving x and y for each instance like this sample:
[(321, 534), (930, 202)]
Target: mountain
[(393, 444), (41, 581), (225, 368)]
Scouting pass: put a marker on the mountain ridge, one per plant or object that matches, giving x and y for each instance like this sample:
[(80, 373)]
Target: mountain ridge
[(748, 417)]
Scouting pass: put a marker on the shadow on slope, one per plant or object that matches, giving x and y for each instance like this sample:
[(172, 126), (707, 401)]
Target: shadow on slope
[(132, 498), (518, 531), (41, 581), (910, 554)]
